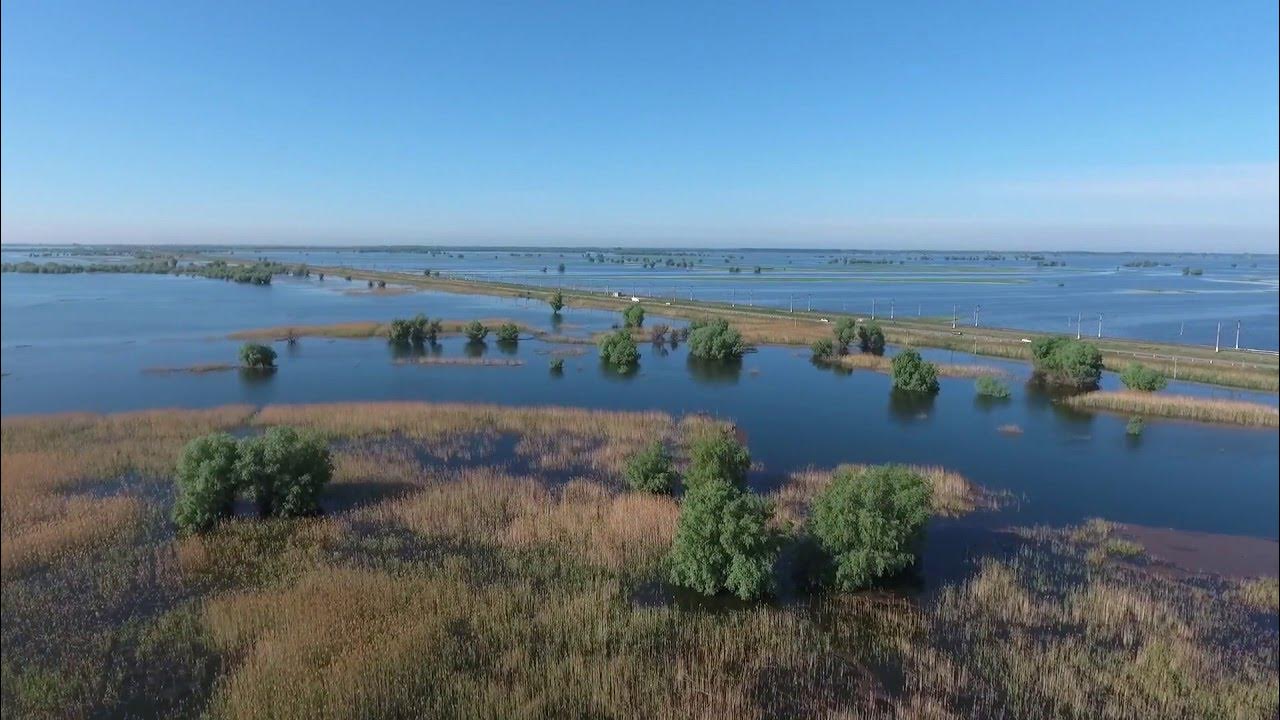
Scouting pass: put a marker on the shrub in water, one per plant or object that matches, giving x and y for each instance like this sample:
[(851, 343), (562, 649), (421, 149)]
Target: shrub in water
[(1065, 361), (846, 334), (556, 302), (619, 350), (650, 470), (633, 316), (1137, 376), (257, 356), (870, 522), (557, 365), (823, 349), (723, 542), (399, 332), (207, 482), (715, 340), (284, 471), (718, 456), (508, 333), (913, 373), (476, 331), (1135, 426), (992, 387)]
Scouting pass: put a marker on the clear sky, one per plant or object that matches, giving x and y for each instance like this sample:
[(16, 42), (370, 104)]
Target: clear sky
[(1111, 125)]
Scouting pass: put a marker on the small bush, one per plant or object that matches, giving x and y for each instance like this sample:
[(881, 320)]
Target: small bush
[(556, 302), (723, 542), (1135, 426), (398, 332), (508, 333), (823, 349), (871, 338), (633, 316), (650, 470), (284, 471), (913, 373), (619, 350), (870, 522), (715, 340), (992, 387), (1137, 376), (476, 331), (255, 356), (658, 334), (557, 365), (207, 482), (718, 456)]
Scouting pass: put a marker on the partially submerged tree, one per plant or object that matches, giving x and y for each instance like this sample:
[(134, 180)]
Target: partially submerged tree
[(258, 357), (556, 302), (633, 316), (619, 350), (913, 373), (1064, 361), (871, 338), (823, 349), (476, 331), (1137, 376), (870, 522), (992, 387), (508, 333), (715, 340), (846, 334)]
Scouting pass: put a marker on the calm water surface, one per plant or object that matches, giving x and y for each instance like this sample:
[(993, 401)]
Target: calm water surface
[(83, 343)]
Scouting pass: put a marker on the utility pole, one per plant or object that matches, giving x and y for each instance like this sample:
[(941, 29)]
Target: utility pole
[(976, 310), (1099, 324), (809, 306), (919, 308), (1079, 322), (953, 317), (793, 301), (873, 308), (1237, 334), (1182, 326), (1217, 340), (890, 308)]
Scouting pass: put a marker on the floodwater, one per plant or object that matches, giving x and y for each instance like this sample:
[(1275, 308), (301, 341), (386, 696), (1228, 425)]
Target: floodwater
[(84, 342)]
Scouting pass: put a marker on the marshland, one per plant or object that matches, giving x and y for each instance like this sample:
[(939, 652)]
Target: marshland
[(478, 550)]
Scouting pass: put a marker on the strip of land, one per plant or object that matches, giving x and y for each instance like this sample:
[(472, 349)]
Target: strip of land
[(1183, 407), (760, 325)]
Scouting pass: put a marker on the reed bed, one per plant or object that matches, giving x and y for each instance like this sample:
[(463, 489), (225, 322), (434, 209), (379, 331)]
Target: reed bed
[(358, 330), (1183, 407), (464, 362)]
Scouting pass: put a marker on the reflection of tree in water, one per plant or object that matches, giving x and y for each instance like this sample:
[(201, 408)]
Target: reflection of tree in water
[(256, 376), (556, 321), (413, 351), (1041, 395), (831, 367), (508, 348), (714, 372), (987, 402), (475, 348), (907, 407), (617, 374)]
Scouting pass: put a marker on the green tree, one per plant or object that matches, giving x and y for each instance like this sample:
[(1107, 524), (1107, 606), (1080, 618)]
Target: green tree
[(633, 316), (508, 333), (715, 340), (1137, 376), (991, 386), (556, 302), (846, 333), (871, 338), (560, 267), (650, 470), (717, 455), (259, 357), (913, 373), (723, 542), (476, 331), (619, 350), (284, 471), (1135, 426), (870, 522), (1064, 361), (399, 332), (823, 349), (207, 482), (556, 366)]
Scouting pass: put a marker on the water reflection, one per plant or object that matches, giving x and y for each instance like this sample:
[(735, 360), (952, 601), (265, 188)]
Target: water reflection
[(987, 403), (508, 347), (413, 351), (617, 374), (256, 376), (1041, 396), (714, 372), (910, 407), (475, 348)]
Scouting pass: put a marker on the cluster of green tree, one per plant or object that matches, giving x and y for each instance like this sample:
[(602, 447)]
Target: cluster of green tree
[(859, 261), (714, 339), (257, 357), (866, 525), (153, 267), (618, 350), (1051, 263), (259, 273), (1142, 264), (633, 316), (417, 330), (1137, 376), (869, 337), (282, 471), (556, 301), (475, 331), (508, 333), (1068, 362)]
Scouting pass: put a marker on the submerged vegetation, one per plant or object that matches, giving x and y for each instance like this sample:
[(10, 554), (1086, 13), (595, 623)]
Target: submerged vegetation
[(436, 584), (1067, 362), (1137, 376), (991, 387), (257, 357), (913, 373), (618, 350), (714, 339)]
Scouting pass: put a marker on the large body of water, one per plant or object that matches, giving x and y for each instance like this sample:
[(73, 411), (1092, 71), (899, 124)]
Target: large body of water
[(84, 342), (1143, 296)]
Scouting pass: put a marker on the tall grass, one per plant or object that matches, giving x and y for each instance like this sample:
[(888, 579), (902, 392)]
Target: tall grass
[(953, 494), (1183, 407)]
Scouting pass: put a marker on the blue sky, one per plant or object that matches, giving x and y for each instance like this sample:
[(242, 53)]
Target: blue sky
[(1138, 125)]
